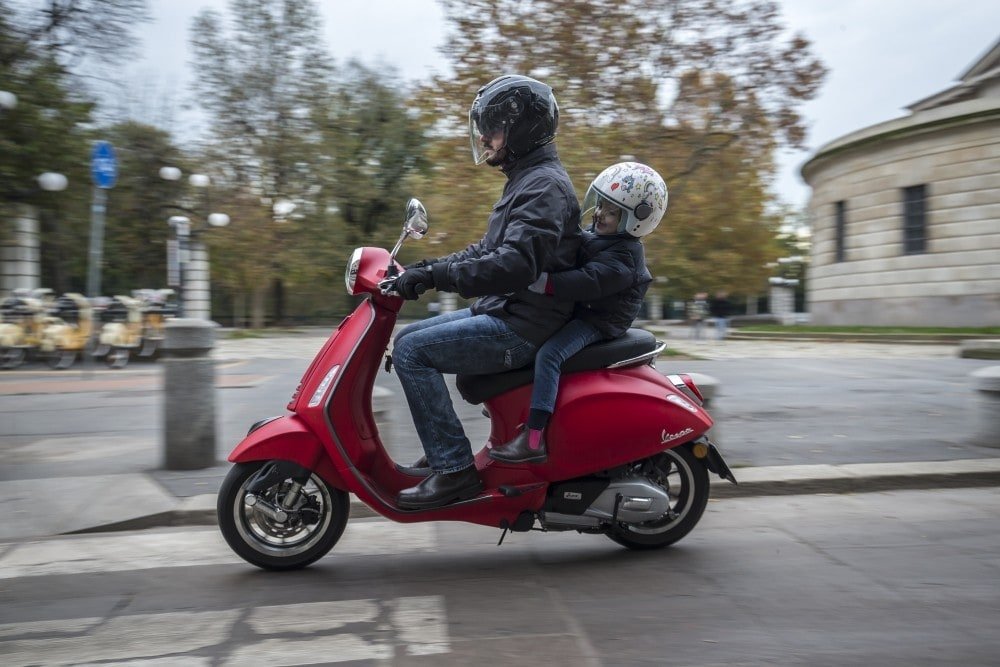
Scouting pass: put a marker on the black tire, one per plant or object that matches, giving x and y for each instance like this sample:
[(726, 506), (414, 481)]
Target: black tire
[(61, 359), (687, 482), (12, 357), (117, 357), (272, 546)]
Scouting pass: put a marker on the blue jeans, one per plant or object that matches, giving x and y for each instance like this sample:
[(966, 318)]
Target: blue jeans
[(721, 327), (566, 342), (457, 342)]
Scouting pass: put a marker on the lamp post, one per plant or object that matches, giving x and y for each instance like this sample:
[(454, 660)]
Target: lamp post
[(189, 254), (20, 254)]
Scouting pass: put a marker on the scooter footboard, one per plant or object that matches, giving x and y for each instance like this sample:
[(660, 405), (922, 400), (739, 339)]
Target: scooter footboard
[(287, 439)]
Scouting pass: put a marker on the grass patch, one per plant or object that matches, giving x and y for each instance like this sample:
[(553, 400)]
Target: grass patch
[(240, 334), (805, 328)]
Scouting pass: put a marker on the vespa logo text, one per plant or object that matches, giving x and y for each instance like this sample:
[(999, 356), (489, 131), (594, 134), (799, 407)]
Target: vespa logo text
[(670, 437)]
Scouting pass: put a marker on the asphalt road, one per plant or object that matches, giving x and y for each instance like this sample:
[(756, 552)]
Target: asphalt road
[(898, 578)]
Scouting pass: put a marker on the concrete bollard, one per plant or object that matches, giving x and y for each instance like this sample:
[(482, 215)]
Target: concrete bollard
[(986, 382), (709, 388), (189, 431)]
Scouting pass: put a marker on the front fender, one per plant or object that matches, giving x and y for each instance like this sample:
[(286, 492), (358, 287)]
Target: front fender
[(287, 438)]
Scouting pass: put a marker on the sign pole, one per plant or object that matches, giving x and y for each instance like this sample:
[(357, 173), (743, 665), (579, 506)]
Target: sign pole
[(96, 254), (104, 172)]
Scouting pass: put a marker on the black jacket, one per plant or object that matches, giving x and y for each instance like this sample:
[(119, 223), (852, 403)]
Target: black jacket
[(719, 307), (534, 227), (610, 284)]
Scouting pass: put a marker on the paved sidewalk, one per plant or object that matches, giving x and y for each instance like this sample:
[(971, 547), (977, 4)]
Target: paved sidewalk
[(113, 500)]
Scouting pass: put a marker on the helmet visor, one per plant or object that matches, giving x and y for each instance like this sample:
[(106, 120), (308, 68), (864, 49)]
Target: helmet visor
[(485, 123), (596, 207)]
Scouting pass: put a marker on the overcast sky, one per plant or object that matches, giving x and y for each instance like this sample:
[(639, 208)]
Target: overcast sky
[(882, 55)]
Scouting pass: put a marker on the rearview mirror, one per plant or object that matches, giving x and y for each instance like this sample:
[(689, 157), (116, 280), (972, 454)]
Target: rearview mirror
[(415, 225)]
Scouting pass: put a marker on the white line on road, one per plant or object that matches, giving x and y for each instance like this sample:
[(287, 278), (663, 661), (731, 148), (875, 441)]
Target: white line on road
[(337, 631), (191, 548)]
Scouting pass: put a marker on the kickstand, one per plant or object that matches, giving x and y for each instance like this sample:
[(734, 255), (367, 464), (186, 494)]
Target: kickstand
[(503, 535), (614, 515)]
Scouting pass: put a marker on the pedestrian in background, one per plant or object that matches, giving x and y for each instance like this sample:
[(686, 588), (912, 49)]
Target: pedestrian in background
[(697, 312), (719, 308)]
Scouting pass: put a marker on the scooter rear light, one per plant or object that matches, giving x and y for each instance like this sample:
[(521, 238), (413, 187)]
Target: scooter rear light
[(689, 383), (687, 387)]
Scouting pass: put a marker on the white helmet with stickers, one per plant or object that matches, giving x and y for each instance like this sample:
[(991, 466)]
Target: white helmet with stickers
[(635, 188)]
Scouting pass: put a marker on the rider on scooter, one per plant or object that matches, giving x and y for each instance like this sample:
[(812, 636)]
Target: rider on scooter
[(624, 203), (534, 228)]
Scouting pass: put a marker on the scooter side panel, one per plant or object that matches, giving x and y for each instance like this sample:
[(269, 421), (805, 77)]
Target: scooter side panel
[(288, 439), (607, 418)]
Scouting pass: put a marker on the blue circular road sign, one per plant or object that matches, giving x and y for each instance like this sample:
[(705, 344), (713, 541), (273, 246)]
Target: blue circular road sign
[(103, 165)]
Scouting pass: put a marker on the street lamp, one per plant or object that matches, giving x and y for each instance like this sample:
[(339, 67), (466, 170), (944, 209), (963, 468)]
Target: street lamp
[(51, 181), (188, 256)]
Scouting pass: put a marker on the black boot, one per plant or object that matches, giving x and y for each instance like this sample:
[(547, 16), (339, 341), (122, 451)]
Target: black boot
[(420, 468), (518, 451), (441, 488)]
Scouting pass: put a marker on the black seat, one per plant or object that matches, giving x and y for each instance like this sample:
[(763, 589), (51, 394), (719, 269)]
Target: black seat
[(633, 344)]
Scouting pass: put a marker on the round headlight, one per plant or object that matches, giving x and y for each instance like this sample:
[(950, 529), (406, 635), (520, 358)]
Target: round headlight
[(351, 274)]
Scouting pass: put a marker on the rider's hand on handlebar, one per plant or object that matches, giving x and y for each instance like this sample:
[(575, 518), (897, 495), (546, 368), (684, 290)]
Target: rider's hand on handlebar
[(414, 282), (420, 264)]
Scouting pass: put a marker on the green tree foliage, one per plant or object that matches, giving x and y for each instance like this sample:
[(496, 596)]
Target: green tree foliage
[(43, 132), (374, 143), (138, 207), (69, 31), (42, 48), (288, 128), (261, 83)]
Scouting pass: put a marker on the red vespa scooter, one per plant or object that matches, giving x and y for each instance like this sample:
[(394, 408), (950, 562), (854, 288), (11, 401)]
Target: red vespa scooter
[(641, 477)]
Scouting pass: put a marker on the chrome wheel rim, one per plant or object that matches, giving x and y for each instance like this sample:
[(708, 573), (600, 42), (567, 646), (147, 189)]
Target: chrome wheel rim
[(679, 485), (290, 538)]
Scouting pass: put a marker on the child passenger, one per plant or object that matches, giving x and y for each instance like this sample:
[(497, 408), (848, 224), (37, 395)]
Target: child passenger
[(625, 202)]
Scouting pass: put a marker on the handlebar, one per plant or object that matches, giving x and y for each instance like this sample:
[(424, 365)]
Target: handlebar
[(388, 287)]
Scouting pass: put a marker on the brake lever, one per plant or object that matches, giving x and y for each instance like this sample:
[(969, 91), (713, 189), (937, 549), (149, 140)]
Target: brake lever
[(388, 286)]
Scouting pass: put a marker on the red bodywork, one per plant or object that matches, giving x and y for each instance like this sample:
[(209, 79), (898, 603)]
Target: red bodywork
[(603, 418)]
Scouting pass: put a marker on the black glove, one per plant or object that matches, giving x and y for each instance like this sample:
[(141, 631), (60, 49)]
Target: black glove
[(419, 264), (414, 282)]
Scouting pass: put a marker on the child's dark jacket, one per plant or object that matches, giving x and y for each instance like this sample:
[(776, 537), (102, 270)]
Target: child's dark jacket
[(610, 284)]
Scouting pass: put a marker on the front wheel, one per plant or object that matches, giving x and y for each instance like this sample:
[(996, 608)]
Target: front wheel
[(685, 480), (117, 357), (12, 357), (61, 359), (308, 529)]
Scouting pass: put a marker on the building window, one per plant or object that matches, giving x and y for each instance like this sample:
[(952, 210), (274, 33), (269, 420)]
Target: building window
[(915, 219), (841, 223)]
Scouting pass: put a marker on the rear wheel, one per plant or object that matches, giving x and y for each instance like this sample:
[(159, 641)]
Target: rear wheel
[(685, 480), (312, 525)]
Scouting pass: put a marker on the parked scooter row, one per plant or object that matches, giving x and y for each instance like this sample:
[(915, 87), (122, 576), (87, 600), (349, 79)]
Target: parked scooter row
[(34, 325)]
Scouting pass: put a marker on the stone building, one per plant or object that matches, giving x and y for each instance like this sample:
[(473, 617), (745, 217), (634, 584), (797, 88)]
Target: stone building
[(906, 214)]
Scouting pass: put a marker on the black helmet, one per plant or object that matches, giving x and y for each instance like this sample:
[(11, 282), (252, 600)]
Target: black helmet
[(523, 108)]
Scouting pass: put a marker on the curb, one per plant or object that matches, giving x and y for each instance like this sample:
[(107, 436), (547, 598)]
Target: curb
[(754, 482)]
